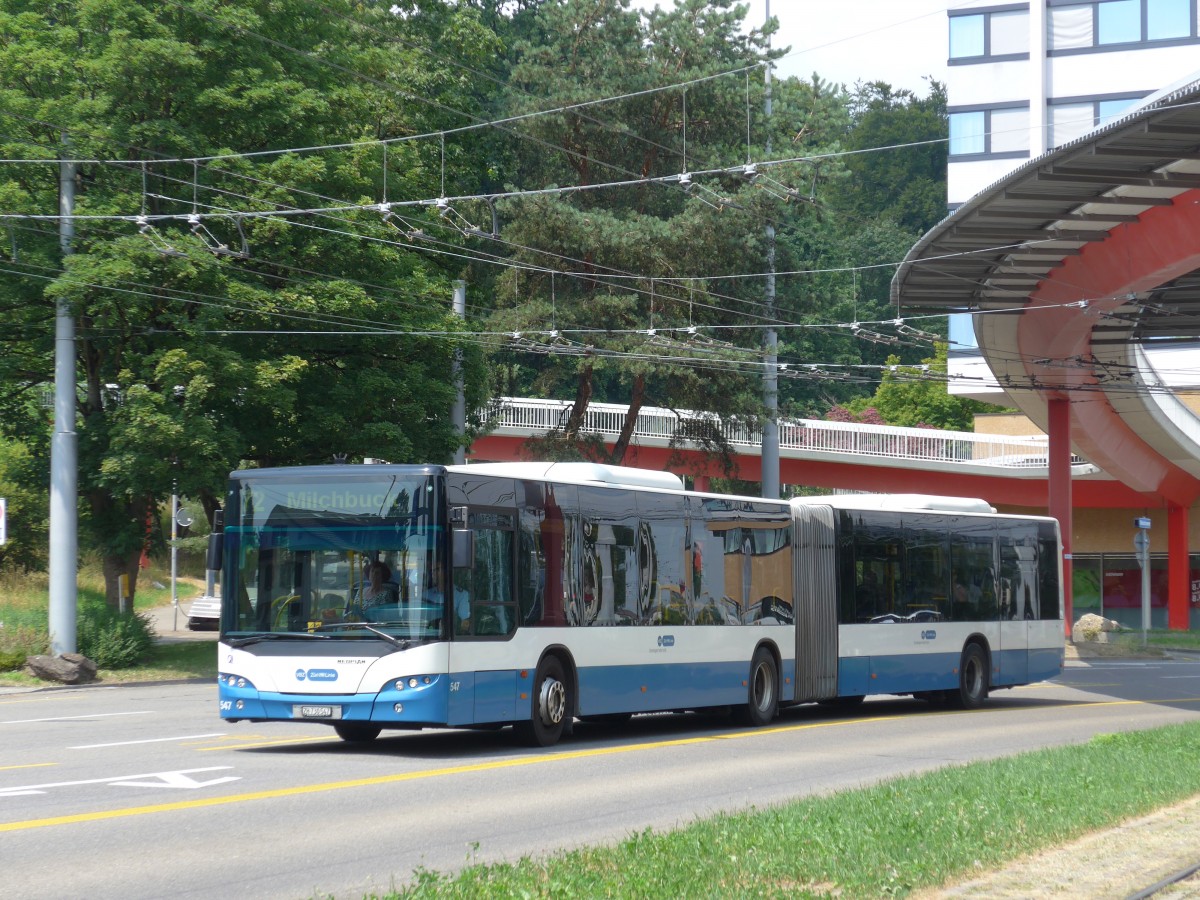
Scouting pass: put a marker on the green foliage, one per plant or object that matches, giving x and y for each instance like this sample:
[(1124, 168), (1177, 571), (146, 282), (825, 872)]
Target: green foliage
[(113, 640), (20, 636), (23, 485), (239, 342), (917, 398)]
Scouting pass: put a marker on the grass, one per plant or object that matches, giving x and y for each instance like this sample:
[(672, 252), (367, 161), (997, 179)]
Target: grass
[(29, 592), (1170, 640), (24, 599), (888, 840)]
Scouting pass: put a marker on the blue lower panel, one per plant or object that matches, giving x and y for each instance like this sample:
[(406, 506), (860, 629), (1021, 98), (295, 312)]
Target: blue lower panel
[(854, 676), (423, 705), (913, 672), (1045, 663), (617, 689)]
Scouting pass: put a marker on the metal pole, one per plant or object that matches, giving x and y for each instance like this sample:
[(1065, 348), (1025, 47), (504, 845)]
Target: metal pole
[(770, 431), (64, 511), (459, 413), (174, 557), (1145, 593)]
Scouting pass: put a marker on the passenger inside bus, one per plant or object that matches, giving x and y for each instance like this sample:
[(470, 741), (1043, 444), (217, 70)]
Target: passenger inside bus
[(436, 596), (379, 588), (868, 595)]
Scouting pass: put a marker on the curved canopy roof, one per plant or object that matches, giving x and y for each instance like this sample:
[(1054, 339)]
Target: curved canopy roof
[(1086, 255)]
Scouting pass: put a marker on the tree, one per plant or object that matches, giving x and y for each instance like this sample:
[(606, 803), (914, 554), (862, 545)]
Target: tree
[(238, 338), (23, 486), (916, 397), (577, 250)]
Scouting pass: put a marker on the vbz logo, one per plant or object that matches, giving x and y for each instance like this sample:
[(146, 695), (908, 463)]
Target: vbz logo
[(929, 635), (666, 640)]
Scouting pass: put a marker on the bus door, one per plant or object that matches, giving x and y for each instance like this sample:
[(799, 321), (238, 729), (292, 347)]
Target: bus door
[(1016, 600), (815, 578)]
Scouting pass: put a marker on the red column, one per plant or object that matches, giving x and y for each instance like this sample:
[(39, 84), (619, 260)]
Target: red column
[(1059, 412), (1179, 577), (701, 484)]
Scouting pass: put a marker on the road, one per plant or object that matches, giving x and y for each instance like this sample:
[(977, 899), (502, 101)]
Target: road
[(142, 791)]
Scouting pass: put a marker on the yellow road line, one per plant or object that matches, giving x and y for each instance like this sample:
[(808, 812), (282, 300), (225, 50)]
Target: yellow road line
[(298, 790), (27, 766), (493, 765)]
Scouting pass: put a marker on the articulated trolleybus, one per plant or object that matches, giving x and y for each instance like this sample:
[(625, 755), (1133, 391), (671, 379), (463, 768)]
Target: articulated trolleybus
[(531, 594)]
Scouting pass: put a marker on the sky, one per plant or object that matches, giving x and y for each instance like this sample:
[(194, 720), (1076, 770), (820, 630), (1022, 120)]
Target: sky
[(897, 41)]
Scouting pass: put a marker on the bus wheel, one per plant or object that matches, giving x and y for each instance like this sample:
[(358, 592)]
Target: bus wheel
[(548, 715), (763, 692), (357, 732), (972, 679)]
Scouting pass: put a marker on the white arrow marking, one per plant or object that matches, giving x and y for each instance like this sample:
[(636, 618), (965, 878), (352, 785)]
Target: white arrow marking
[(175, 780), (166, 779)]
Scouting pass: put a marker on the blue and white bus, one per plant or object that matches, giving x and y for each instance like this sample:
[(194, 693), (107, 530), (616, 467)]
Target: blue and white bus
[(376, 597)]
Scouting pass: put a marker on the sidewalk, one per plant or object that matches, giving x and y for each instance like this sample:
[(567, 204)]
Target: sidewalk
[(1115, 863), (171, 625)]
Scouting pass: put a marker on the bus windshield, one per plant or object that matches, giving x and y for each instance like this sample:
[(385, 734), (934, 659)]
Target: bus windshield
[(345, 557)]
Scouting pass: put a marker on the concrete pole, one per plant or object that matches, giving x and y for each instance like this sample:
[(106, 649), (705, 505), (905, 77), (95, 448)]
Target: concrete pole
[(459, 414), (175, 559), (770, 431), (64, 509)]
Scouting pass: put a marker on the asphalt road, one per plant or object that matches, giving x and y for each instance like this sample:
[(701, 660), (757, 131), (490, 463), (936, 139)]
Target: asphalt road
[(142, 791)]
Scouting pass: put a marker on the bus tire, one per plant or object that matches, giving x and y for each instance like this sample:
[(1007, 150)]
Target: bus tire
[(357, 732), (972, 679), (549, 708), (763, 690)]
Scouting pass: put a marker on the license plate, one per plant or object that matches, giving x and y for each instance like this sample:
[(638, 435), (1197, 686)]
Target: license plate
[(317, 712)]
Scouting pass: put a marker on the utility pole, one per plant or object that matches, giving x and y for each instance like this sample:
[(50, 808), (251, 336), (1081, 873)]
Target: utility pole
[(64, 509), (770, 430), (459, 414)]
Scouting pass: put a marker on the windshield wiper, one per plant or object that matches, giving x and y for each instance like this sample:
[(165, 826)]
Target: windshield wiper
[(277, 636), (391, 638)]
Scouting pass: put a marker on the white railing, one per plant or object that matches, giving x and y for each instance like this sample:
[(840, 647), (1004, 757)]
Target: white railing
[(528, 417)]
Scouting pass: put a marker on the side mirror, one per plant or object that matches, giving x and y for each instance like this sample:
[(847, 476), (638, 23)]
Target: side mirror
[(462, 549), (216, 542)]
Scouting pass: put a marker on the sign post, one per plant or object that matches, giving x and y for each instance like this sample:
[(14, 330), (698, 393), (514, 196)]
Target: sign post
[(1141, 543)]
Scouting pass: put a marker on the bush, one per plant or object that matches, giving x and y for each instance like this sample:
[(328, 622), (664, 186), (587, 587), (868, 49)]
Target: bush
[(113, 640), (19, 639)]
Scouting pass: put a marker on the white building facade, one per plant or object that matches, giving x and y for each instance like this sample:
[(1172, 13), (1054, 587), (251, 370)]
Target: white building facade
[(1024, 78)]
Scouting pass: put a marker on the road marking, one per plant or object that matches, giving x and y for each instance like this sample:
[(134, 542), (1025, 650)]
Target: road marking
[(274, 743), (185, 737), (27, 766), (177, 779), (143, 712), (300, 790)]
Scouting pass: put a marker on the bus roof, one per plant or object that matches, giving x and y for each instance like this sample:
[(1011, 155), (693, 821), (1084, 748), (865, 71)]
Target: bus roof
[(575, 473), (899, 501)]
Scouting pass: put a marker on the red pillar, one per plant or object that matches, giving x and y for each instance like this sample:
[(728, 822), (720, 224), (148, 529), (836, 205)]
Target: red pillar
[(1179, 576), (701, 484), (1059, 412)]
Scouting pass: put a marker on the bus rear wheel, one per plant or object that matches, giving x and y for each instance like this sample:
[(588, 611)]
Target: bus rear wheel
[(357, 732), (550, 706), (972, 679), (763, 690)]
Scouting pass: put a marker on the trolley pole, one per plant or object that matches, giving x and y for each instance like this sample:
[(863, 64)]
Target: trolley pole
[(459, 413), (770, 430), (64, 503)]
